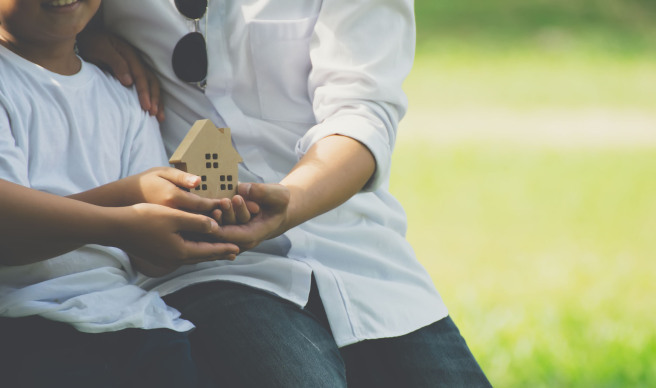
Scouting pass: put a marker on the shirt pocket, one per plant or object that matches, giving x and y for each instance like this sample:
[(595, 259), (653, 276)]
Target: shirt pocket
[(281, 59)]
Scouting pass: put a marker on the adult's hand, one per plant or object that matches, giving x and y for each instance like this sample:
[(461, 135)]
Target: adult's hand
[(271, 220), (236, 210), (315, 185), (124, 61)]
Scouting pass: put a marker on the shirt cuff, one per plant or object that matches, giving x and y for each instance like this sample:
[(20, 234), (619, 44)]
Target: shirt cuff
[(374, 137)]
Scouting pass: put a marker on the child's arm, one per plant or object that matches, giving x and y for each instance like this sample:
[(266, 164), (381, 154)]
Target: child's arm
[(164, 186), (159, 185), (36, 226)]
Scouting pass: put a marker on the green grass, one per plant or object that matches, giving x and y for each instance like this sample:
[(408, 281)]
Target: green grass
[(620, 27), (544, 253), (529, 79), (530, 54), (544, 257)]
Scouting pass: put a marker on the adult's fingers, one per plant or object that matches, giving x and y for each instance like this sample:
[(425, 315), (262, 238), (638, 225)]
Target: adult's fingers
[(252, 207), (160, 111), (229, 217), (137, 71), (243, 190), (100, 49), (217, 214), (155, 101), (242, 214)]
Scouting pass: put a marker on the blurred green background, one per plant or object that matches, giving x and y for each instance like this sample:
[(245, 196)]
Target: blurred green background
[(527, 166)]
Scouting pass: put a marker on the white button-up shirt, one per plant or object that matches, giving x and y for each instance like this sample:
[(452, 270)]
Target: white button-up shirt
[(282, 75)]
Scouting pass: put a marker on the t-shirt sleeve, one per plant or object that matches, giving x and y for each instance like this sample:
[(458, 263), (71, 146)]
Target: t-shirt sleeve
[(144, 148), (13, 163)]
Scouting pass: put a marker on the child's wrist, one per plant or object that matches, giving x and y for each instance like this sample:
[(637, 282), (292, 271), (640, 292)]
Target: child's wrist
[(126, 191), (113, 226)]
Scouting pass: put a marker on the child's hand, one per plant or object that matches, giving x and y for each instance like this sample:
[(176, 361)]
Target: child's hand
[(164, 186), (153, 236)]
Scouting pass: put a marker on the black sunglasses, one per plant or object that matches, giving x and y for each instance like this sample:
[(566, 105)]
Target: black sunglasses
[(190, 53)]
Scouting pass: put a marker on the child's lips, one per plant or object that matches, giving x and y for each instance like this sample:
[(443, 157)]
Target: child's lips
[(60, 3)]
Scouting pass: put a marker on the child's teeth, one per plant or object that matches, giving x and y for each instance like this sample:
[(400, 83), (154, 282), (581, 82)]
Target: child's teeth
[(61, 3)]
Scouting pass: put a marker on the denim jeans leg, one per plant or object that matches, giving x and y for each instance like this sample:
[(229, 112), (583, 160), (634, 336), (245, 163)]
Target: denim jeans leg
[(431, 357), (156, 358), (250, 338), (36, 352)]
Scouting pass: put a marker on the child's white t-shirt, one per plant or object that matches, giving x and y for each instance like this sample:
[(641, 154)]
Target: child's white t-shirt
[(63, 135)]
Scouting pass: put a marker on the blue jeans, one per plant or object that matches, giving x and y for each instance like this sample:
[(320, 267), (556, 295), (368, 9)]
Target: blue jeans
[(35, 352), (249, 338)]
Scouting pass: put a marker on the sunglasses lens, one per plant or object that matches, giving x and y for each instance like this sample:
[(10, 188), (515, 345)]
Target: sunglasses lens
[(190, 58), (192, 9)]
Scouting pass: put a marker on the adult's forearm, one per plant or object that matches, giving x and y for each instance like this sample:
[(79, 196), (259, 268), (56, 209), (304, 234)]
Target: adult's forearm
[(332, 171)]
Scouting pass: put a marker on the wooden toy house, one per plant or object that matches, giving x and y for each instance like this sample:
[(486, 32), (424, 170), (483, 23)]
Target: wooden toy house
[(207, 151)]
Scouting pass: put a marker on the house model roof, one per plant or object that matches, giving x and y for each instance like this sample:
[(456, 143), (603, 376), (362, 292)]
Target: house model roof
[(207, 151)]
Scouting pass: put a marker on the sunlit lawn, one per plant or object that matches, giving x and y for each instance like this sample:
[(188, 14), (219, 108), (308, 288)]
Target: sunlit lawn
[(542, 244)]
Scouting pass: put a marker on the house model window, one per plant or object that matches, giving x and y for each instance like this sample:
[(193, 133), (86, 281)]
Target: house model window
[(207, 151)]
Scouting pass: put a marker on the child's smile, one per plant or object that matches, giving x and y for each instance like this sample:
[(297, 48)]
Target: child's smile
[(60, 4), (44, 31), (41, 20)]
